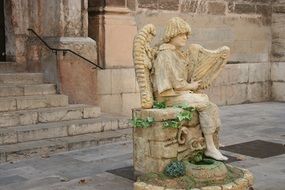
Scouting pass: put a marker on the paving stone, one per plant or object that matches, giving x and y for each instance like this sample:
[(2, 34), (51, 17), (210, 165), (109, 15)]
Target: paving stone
[(11, 179)]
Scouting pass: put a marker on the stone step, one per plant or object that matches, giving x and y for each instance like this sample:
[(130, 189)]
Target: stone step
[(12, 135), (44, 148), (44, 115), (26, 90), (32, 102), (11, 67), (21, 78)]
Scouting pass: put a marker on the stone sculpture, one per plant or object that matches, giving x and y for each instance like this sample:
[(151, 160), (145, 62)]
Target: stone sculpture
[(175, 75)]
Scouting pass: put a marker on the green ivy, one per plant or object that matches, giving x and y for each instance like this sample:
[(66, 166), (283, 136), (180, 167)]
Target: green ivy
[(171, 124), (159, 105), (175, 169), (185, 115), (186, 107), (142, 123)]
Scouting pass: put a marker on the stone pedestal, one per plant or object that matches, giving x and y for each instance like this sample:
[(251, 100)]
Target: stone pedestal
[(156, 146)]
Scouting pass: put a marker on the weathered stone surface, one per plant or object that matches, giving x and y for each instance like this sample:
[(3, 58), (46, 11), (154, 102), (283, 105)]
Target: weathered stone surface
[(277, 72), (149, 4), (230, 7), (13, 152), (28, 118), (83, 90), (236, 94), (90, 112), (156, 131), (141, 151), (42, 89), (279, 9), (155, 165), (32, 102), (11, 91), (189, 6), (120, 3), (265, 10), (104, 81), (110, 125), (130, 101), (84, 129), (163, 149), (119, 34), (21, 78), (217, 94), (31, 133), (157, 114), (110, 103), (216, 8), (132, 5), (259, 72), (60, 115), (8, 137), (8, 104), (171, 5), (278, 91), (259, 92), (244, 8), (211, 188)]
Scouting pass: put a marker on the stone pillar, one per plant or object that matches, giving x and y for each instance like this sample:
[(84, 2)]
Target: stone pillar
[(113, 27), (278, 51)]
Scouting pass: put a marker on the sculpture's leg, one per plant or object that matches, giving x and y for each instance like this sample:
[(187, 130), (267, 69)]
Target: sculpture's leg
[(210, 121), (211, 150)]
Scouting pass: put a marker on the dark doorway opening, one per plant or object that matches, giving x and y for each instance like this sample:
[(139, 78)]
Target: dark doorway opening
[(2, 32)]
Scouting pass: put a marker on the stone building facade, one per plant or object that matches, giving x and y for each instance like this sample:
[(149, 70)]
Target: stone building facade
[(103, 30)]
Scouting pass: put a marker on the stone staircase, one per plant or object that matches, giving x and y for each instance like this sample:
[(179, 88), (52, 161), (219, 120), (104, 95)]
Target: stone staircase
[(35, 121)]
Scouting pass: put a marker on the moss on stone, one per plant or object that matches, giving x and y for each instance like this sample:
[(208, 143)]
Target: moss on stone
[(188, 182)]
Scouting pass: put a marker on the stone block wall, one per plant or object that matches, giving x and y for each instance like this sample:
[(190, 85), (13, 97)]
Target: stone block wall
[(117, 90)]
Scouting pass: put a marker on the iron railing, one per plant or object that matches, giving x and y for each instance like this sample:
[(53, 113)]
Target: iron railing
[(55, 50)]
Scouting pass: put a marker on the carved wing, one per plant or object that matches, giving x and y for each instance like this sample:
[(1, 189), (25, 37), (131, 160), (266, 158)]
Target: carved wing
[(206, 64), (143, 56)]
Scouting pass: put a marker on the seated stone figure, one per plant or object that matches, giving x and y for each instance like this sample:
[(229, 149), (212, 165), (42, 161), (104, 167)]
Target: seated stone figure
[(176, 75)]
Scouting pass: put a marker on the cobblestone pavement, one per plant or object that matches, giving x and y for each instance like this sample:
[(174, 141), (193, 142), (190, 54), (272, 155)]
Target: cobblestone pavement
[(86, 169)]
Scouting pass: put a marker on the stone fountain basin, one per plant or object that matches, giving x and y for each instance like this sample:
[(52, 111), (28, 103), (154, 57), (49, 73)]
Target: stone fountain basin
[(241, 179)]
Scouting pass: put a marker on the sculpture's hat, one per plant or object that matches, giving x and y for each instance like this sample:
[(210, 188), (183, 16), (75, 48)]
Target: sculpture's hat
[(174, 27)]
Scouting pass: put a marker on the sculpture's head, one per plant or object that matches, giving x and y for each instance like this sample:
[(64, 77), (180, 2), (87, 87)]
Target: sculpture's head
[(176, 31)]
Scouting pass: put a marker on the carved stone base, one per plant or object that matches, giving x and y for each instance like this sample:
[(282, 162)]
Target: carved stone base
[(243, 182), (207, 171), (156, 146)]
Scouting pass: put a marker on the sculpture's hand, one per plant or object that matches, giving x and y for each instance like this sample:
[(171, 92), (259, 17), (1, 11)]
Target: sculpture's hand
[(194, 85)]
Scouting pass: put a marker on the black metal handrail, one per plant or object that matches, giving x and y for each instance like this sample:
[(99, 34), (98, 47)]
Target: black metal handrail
[(55, 50)]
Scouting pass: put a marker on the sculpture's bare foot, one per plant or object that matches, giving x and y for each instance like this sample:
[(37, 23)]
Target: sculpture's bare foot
[(216, 154)]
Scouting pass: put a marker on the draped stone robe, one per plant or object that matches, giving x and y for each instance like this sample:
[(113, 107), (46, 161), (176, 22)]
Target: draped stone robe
[(171, 71)]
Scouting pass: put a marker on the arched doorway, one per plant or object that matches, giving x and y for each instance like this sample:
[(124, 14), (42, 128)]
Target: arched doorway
[(2, 32)]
